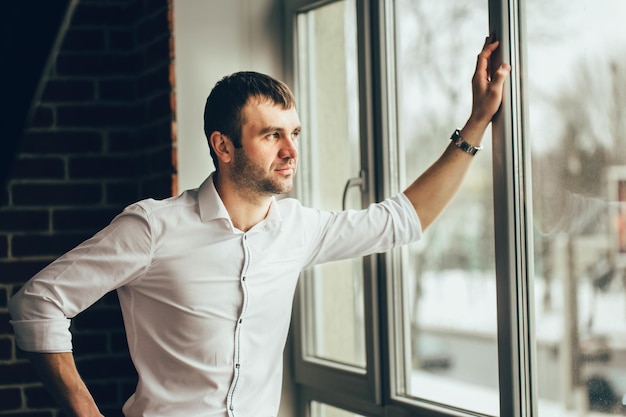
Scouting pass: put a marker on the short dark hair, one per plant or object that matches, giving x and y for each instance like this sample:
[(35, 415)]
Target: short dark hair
[(222, 112)]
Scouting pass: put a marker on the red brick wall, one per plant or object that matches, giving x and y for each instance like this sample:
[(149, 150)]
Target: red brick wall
[(101, 139)]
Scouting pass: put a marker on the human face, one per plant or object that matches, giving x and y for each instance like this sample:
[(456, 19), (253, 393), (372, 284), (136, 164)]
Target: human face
[(267, 160)]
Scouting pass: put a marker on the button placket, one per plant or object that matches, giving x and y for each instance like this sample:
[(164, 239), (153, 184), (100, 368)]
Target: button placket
[(238, 328)]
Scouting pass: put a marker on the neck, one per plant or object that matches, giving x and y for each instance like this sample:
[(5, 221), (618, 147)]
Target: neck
[(246, 209)]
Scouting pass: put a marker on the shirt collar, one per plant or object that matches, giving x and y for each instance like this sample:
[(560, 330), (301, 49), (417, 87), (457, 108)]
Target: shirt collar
[(212, 207)]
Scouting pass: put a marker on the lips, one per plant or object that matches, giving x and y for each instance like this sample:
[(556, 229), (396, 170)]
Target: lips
[(286, 169)]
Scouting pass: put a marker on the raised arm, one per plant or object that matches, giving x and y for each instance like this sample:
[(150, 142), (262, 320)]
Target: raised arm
[(433, 190), (59, 375)]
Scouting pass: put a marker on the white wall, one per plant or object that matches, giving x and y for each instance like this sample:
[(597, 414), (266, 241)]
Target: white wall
[(213, 38)]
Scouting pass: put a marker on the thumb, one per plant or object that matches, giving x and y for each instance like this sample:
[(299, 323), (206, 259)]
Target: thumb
[(500, 75)]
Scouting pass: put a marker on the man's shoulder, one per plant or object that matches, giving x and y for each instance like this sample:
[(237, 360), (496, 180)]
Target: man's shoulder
[(290, 204), (154, 207), (292, 209), (288, 201)]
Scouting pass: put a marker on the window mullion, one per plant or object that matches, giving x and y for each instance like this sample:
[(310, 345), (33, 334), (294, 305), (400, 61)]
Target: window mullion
[(513, 222)]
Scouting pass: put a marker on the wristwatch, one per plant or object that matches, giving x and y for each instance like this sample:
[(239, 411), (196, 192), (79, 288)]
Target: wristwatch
[(460, 143)]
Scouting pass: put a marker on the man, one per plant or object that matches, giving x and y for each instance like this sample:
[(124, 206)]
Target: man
[(206, 279)]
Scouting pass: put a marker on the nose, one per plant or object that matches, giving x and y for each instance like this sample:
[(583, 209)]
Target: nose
[(289, 149)]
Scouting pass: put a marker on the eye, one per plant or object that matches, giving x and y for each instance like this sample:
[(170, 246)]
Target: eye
[(273, 135)]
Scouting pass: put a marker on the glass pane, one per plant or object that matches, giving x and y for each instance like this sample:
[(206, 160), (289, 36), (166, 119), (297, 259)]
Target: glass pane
[(577, 107), (329, 107), (325, 410), (445, 293)]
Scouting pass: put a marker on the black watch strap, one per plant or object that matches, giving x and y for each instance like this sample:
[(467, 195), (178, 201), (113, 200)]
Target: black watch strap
[(460, 143)]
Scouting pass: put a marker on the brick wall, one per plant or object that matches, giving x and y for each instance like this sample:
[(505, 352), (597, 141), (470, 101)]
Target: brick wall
[(100, 139)]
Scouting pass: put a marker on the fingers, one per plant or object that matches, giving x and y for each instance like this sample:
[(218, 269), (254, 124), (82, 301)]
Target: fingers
[(482, 61), (493, 92), (488, 49), (490, 38), (491, 43), (499, 76), (487, 85)]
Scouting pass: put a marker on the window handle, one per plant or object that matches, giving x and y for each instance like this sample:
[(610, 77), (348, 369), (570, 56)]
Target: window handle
[(353, 182)]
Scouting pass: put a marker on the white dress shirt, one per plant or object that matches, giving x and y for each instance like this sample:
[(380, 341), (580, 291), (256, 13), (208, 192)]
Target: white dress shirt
[(206, 306)]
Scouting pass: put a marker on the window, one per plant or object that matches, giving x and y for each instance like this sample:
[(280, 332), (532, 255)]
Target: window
[(443, 288), (329, 108), (577, 120), (336, 327), (514, 303)]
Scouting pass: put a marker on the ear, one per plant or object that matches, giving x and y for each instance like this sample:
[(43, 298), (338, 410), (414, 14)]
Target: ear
[(222, 146)]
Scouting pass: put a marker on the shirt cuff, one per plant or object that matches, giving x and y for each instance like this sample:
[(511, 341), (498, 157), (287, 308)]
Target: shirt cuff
[(45, 336), (410, 226)]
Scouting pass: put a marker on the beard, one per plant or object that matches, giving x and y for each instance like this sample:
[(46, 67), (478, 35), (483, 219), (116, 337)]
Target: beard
[(252, 178)]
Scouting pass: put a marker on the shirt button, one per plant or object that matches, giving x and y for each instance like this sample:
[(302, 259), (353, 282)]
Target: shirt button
[(240, 321), (237, 366)]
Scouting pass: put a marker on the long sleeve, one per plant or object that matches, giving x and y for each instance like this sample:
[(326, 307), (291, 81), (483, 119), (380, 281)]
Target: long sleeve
[(354, 233), (42, 309)]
